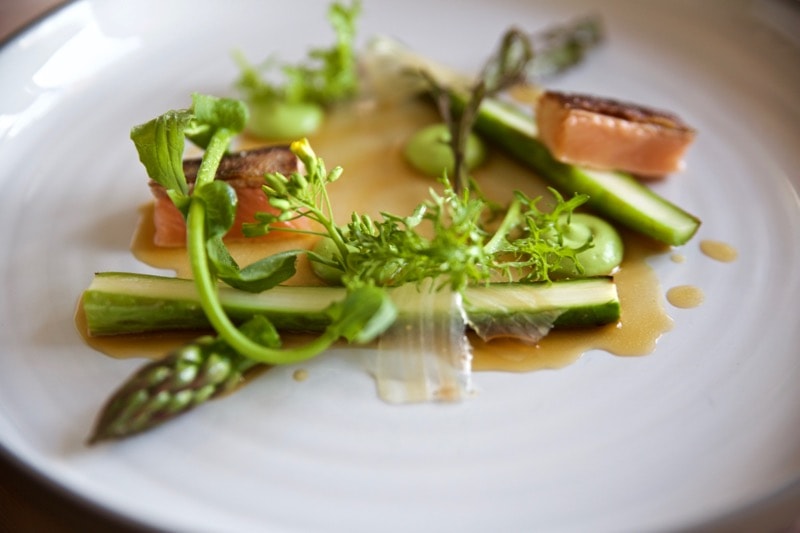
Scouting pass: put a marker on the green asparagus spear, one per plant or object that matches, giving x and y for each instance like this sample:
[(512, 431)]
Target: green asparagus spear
[(164, 389), (561, 47)]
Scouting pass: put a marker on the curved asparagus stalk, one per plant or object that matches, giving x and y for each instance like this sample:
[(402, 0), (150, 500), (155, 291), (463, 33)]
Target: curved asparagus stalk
[(162, 390)]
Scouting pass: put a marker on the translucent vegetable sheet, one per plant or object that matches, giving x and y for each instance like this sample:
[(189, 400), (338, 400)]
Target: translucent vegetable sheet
[(425, 356)]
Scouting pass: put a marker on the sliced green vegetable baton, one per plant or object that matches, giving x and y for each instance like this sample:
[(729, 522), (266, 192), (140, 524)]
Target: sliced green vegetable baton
[(123, 303)]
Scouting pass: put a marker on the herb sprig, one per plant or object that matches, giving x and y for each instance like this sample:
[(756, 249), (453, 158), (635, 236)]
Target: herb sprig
[(329, 75), (446, 237)]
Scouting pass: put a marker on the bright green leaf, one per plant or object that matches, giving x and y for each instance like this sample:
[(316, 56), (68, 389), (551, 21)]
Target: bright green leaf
[(260, 330), (160, 144), (364, 314), (259, 276), (211, 114), (220, 201)]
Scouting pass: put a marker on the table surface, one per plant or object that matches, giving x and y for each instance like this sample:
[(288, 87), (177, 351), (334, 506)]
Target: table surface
[(26, 502)]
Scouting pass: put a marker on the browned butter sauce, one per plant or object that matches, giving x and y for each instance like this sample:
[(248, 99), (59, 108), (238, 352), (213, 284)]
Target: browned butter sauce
[(367, 141), (678, 258), (685, 296), (690, 296), (719, 251)]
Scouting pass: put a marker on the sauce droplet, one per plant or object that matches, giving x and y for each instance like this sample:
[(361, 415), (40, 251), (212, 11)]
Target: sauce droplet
[(719, 251), (685, 296), (301, 374)]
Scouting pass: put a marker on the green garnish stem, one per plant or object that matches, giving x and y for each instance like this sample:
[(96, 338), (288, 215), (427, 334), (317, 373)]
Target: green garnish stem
[(216, 149), (510, 221), (206, 282), (209, 301)]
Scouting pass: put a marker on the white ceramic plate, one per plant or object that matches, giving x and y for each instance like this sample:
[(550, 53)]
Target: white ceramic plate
[(706, 429)]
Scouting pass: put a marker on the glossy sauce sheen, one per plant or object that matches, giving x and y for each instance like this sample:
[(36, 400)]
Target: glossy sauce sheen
[(367, 141)]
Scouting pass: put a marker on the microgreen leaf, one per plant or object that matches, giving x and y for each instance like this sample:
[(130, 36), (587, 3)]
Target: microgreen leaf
[(211, 114), (258, 276), (507, 66), (220, 202), (160, 144), (364, 314), (261, 331)]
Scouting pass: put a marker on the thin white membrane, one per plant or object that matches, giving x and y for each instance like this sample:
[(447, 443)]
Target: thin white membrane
[(425, 355), (529, 328)]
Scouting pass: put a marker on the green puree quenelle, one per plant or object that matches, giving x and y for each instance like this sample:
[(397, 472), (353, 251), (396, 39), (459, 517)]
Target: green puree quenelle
[(429, 151)]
